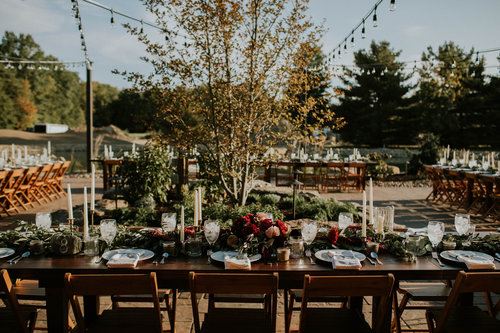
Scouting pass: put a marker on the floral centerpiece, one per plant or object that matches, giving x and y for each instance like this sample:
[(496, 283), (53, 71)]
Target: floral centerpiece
[(256, 233)]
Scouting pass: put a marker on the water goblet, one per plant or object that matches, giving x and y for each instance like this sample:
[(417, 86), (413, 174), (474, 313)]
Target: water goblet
[(345, 220), (211, 229), (168, 222), (43, 220), (108, 230), (309, 231), (462, 223), (435, 232)]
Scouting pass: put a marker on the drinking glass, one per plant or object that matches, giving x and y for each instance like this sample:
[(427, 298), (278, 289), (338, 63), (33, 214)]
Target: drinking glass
[(168, 221), (411, 245), (108, 230), (211, 228), (43, 220), (462, 223), (435, 232), (345, 220), (309, 231)]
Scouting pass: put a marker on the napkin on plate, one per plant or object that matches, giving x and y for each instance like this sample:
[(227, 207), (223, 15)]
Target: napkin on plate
[(342, 262), (476, 262), (235, 263), (123, 260)]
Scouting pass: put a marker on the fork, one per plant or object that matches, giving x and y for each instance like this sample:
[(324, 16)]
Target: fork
[(436, 257)]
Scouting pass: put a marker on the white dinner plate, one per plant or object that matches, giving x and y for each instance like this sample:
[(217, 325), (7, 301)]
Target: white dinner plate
[(6, 252), (452, 255), (220, 255), (142, 253), (327, 255)]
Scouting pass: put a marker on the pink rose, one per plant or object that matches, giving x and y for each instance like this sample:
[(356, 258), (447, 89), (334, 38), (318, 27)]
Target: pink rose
[(272, 232)]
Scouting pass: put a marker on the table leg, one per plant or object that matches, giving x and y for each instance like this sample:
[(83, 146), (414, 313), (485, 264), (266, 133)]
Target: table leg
[(57, 309)]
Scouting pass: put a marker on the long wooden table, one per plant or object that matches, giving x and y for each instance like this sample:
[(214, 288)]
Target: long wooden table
[(174, 274)]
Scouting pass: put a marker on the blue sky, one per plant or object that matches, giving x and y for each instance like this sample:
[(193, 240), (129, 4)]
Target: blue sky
[(414, 25)]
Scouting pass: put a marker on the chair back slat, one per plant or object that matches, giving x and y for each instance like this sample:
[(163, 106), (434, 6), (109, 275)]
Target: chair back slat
[(234, 283)]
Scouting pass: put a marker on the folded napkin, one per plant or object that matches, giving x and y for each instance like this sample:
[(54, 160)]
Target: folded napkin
[(123, 260), (416, 231), (235, 263), (476, 262), (343, 262)]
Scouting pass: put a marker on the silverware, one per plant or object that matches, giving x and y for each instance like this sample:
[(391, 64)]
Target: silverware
[(21, 257), (371, 261), (98, 260), (497, 256), (374, 255), (11, 260), (436, 257), (309, 255)]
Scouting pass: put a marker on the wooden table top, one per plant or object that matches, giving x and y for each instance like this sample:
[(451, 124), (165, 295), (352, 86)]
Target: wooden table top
[(175, 271)]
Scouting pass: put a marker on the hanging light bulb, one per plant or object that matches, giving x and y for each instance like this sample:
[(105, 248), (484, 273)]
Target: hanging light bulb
[(19, 67), (392, 5), (477, 56), (142, 28), (345, 46), (112, 20), (352, 39), (363, 30), (375, 22)]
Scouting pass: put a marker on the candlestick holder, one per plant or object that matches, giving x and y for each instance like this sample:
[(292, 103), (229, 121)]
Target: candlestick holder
[(92, 212), (71, 221)]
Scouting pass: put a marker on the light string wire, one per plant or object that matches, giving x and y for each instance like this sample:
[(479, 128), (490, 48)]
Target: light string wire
[(75, 7)]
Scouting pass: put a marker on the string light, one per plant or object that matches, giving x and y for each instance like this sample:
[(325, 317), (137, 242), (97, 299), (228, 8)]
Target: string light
[(352, 39), (392, 5), (363, 30), (112, 20), (142, 28), (375, 22), (76, 13)]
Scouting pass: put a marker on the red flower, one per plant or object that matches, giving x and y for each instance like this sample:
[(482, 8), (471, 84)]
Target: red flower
[(250, 228), (333, 235), (190, 231), (265, 224), (282, 226)]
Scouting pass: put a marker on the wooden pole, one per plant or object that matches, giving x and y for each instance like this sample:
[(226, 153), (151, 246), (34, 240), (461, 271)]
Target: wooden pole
[(89, 117)]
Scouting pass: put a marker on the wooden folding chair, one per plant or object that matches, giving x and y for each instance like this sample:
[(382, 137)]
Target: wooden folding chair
[(116, 320), (51, 183), (14, 317), (23, 193), (9, 191), (459, 318), (4, 182), (60, 176), (313, 319), (39, 190), (239, 319)]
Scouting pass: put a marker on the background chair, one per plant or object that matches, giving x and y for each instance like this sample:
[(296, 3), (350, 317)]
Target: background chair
[(115, 320), (456, 317), (345, 320), (14, 318), (235, 319)]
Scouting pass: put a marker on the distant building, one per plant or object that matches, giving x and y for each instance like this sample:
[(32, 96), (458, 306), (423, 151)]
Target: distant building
[(50, 128)]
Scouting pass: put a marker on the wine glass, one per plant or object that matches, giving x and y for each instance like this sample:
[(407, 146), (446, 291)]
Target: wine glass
[(309, 231), (462, 223), (435, 232), (43, 220), (168, 221), (211, 228), (108, 230), (345, 220)]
